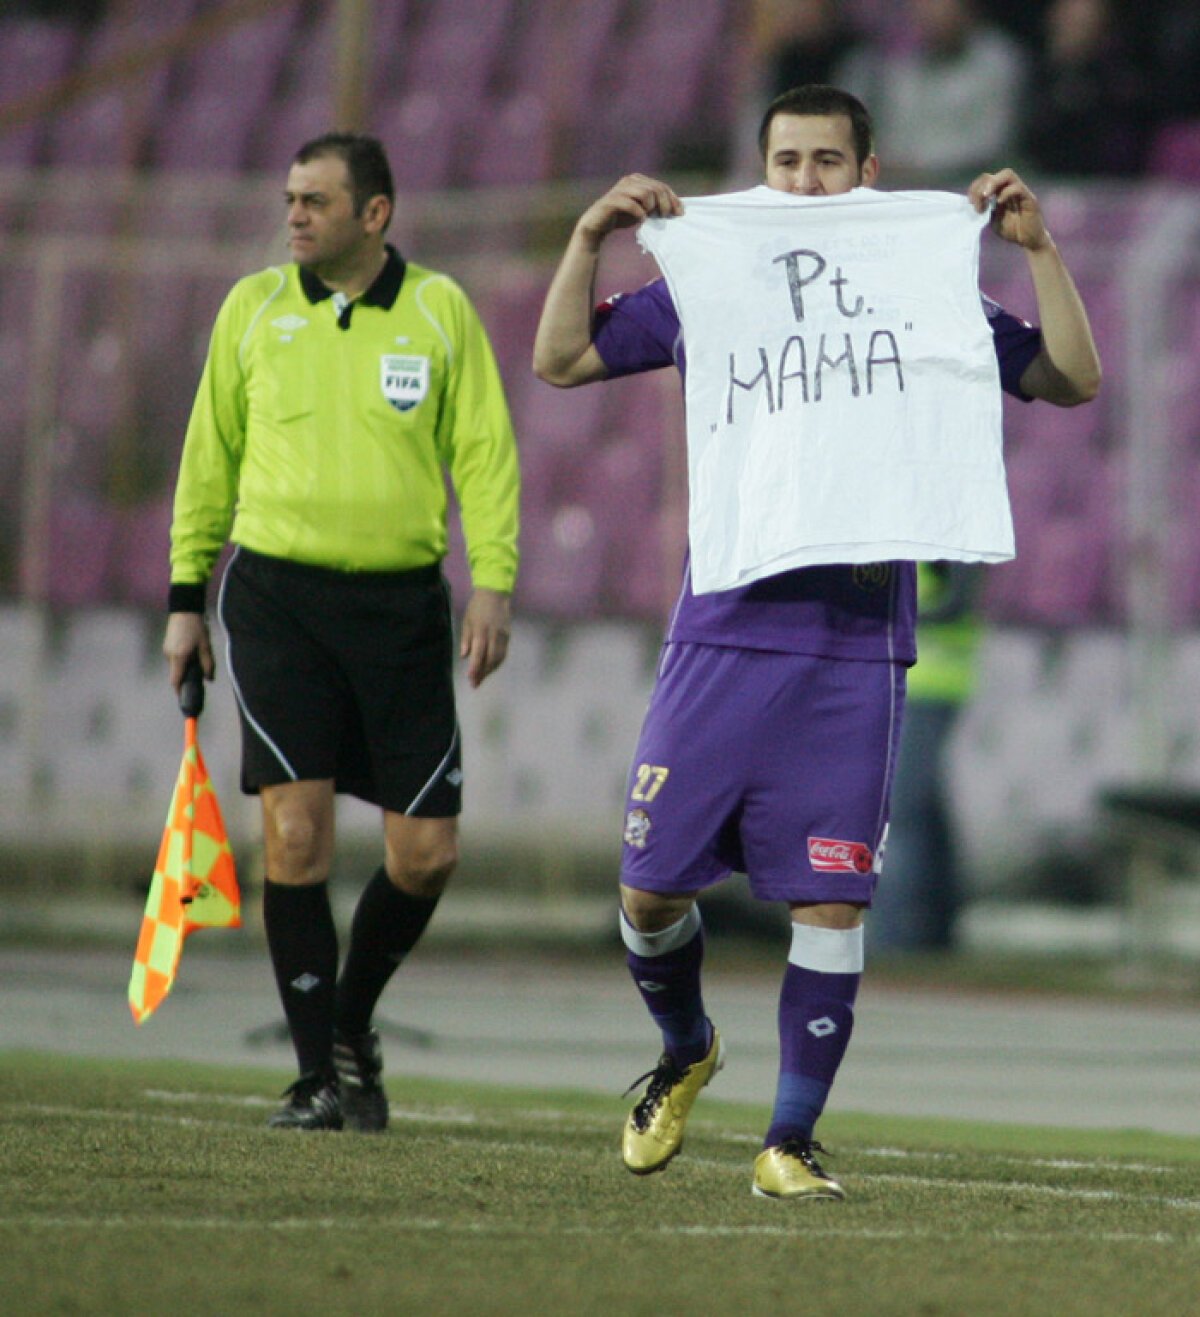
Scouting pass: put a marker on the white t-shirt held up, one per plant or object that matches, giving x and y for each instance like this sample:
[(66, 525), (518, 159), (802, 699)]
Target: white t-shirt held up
[(843, 397)]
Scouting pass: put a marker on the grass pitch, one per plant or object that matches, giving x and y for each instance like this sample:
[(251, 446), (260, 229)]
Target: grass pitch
[(134, 1188)]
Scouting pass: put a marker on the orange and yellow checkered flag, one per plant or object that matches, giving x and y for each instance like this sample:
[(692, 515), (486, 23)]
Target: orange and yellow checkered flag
[(194, 885)]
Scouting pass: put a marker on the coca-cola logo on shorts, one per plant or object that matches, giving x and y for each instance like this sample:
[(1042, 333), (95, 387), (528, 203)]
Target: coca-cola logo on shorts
[(830, 856)]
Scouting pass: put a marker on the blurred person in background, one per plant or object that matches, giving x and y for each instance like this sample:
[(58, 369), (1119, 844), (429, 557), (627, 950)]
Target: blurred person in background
[(1165, 40), (337, 390), (947, 98), (917, 907), (808, 42), (776, 705), (1086, 112), (797, 43)]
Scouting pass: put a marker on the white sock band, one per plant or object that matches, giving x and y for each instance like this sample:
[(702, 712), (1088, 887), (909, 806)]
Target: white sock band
[(668, 939), (827, 950)]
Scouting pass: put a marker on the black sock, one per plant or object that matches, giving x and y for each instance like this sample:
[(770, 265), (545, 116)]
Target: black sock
[(304, 951), (387, 925)]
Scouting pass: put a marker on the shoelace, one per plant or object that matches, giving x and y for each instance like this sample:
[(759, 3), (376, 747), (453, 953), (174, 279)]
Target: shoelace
[(805, 1149), (662, 1079), (306, 1088)]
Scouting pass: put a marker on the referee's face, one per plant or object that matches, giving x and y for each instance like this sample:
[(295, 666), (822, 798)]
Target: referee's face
[(324, 233)]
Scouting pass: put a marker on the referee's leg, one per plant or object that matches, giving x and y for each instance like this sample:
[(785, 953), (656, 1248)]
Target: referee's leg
[(393, 911), (298, 830)]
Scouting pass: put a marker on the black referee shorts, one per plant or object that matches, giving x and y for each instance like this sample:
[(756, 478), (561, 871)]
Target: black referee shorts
[(345, 675)]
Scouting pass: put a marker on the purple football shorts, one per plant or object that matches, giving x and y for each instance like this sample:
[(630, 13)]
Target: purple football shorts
[(774, 765)]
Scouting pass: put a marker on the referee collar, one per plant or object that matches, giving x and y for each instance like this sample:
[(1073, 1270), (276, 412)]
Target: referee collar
[(383, 292)]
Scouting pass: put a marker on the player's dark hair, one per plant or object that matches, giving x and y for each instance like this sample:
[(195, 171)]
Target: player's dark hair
[(365, 159), (815, 98)]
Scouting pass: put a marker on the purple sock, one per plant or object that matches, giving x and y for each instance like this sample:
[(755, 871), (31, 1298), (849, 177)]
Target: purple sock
[(816, 1018), (669, 981)]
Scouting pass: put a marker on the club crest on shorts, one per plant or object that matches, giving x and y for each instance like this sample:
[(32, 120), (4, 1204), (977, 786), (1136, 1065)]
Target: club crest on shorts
[(872, 576), (405, 380), (829, 856), (637, 828)]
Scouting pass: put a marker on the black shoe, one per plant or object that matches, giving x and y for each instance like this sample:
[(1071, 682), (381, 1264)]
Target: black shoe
[(359, 1064), (312, 1104)]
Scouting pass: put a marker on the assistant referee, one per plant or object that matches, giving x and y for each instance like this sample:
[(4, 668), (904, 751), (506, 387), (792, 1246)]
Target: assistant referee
[(338, 390)]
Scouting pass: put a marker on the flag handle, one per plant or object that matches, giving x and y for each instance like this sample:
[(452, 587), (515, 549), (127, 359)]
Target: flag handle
[(191, 688)]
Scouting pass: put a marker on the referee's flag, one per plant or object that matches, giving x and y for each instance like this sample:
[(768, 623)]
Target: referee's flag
[(194, 884)]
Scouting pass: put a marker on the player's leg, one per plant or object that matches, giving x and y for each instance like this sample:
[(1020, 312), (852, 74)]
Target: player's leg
[(664, 950), (298, 829), (392, 913), (683, 791), (813, 839), (816, 1019)]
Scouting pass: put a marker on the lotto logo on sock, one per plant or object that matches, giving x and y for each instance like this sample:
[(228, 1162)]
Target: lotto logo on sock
[(829, 856)]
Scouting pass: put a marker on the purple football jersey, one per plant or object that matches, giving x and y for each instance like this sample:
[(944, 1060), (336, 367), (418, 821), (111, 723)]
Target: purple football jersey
[(853, 612)]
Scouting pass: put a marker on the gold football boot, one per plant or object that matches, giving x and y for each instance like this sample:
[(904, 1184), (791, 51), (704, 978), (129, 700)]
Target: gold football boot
[(654, 1131), (790, 1170)]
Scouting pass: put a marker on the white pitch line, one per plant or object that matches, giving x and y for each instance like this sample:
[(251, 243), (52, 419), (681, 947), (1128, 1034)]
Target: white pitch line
[(810, 1229), (456, 1115)]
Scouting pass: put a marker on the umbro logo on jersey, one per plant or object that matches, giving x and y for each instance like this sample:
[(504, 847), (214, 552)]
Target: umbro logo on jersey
[(287, 325), (829, 856), (455, 777)]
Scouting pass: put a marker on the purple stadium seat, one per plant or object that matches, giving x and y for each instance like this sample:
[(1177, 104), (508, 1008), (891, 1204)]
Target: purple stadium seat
[(560, 64), (1175, 152), (93, 389), (246, 60), (455, 49), (107, 129), (563, 564), (34, 55), (662, 53), (511, 145), (140, 555), (82, 536), (1067, 584), (418, 131), (110, 127), (17, 292), (285, 125), (209, 131)]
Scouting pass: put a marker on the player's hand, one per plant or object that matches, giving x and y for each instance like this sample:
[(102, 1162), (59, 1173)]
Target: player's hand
[(187, 634), (486, 626), (634, 199), (1016, 212)]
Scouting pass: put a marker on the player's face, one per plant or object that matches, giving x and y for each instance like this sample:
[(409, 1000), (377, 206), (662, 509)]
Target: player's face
[(813, 155), (324, 233)]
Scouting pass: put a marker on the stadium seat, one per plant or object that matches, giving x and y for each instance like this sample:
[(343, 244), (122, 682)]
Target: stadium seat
[(511, 145), (34, 55), (563, 567), (1175, 152), (209, 132), (454, 50), (285, 125), (17, 291), (82, 536), (418, 131), (245, 60), (141, 568)]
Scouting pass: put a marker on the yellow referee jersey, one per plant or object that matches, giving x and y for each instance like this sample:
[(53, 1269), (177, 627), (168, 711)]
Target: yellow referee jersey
[(322, 429)]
